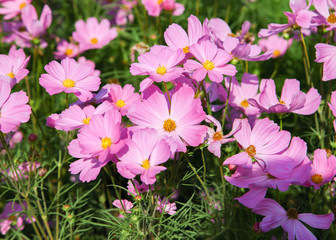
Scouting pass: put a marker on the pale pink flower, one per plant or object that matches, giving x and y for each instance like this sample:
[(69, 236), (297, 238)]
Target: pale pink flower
[(93, 35), (146, 151), (123, 98), (123, 205), (265, 144), (178, 121), (14, 109), (160, 64), (70, 77), (275, 43), (290, 220), (154, 7), (13, 66), (50, 121), (13, 8), (326, 9), (326, 54), (164, 206), (23, 170), (332, 104), (66, 49), (291, 100), (212, 62), (136, 188)]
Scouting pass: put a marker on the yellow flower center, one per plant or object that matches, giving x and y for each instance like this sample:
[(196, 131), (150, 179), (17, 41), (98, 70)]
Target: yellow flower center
[(208, 65), (145, 164), (11, 75), (276, 53), (159, 2), (68, 52), (186, 49), (244, 103), (217, 136), (332, 18), (169, 125), (22, 5), (292, 213), (231, 35), (106, 142), (86, 120), (317, 178), (68, 83), (161, 70), (251, 151), (94, 40), (120, 103), (282, 102), (270, 176)]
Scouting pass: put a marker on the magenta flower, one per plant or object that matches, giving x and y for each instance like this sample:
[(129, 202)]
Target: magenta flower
[(177, 38), (265, 144), (216, 138), (14, 109), (66, 49), (178, 121), (146, 151), (276, 44), (93, 35), (13, 8), (290, 220), (70, 77), (74, 117), (326, 54), (123, 205), (136, 188), (160, 64), (14, 65), (323, 168), (291, 100), (212, 62)]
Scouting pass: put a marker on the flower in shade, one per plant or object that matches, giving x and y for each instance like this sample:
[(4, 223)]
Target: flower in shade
[(123, 205), (136, 188), (146, 151), (177, 121), (275, 43), (13, 66), (14, 109), (70, 77), (265, 144), (13, 8), (326, 54), (212, 62), (154, 7), (66, 49), (291, 100), (290, 220), (323, 168), (160, 64), (92, 34), (164, 206)]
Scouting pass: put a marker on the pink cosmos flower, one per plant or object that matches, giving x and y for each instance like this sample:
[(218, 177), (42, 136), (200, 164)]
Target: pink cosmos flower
[(11, 139), (70, 77), (123, 98), (291, 100), (326, 9), (136, 188), (35, 27), (240, 93), (12, 217), (93, 35), (13, 66), (265, 144), (124, 13), (74, 117), (178, 121), (13, 8), (160, 64), (290, 220), (332, 104), (275, 43), (213, 62), (14, 109), (50, 121), (326, 54), (177, 38), (23, 170), (323, 168), (66, 49), (164, 206), (154, 7), (123, 205), (218, 29), (216, 138), (146, 151), (10, 29)]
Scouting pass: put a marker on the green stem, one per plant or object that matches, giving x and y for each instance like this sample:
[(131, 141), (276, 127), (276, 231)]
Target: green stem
[(165, 85), (306, 61), (226, 103), (204, 165)]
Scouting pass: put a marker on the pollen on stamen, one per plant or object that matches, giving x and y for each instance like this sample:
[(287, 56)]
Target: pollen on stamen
[(332, 18), (86, 120), (160, 1), (68, 83), (94, 40), (244, 103), (22, 5), (120, 103), (208, 65), (251, 151), (292, 213), (169, 125), (106, 142), (68, 52), (145, 164), (217, 136), (185, 49), (276, 53), (11, 75), (161, 70), (282, 102), (317, 178)]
